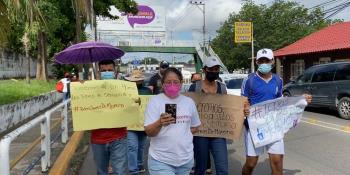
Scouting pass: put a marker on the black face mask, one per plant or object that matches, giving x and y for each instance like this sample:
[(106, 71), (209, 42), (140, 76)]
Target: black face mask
[(212, 76), (139, 86)]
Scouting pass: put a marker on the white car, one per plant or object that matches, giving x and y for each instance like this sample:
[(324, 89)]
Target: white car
[(234, 84)]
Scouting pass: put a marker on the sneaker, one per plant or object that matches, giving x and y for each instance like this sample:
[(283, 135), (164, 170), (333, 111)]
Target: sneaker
[(142, 169), (209, 171)]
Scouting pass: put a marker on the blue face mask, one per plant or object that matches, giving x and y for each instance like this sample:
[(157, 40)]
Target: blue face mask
[(265, 68), (108, 75)]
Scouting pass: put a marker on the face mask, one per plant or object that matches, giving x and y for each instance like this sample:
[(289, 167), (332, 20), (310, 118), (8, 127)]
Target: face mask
[(212, 76), (265, 68), (172, 90), (108, 75)]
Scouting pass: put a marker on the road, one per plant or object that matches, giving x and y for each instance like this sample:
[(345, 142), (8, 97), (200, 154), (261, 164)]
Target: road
[(320, 145)]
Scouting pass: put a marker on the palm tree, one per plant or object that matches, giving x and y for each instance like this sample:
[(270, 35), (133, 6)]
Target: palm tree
[(28, 12)]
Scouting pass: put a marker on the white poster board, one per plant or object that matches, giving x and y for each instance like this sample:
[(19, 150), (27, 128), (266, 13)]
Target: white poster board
[(270, 120)]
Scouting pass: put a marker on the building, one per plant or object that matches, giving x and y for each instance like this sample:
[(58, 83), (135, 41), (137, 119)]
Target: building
[(330, 44)]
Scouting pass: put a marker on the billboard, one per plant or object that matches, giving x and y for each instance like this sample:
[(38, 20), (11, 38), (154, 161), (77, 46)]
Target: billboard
[(147, 19)]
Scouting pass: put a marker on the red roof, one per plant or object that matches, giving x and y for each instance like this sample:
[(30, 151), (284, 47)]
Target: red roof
[(334, 37)]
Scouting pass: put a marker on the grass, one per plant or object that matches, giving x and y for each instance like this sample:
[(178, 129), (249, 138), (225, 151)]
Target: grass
[(15, 90)]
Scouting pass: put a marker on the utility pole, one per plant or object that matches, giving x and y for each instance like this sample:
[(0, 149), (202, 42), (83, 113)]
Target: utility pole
[(201, 3), (252, 33)]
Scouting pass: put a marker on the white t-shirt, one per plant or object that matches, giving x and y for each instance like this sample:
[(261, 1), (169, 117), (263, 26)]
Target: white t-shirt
[(65, 82), (173, 145)]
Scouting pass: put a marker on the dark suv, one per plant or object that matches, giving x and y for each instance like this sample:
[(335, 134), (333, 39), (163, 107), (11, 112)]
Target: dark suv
[(329, 85)]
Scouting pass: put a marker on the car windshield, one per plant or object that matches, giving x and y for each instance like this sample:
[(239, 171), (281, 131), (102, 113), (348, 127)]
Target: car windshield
[(234, 83)]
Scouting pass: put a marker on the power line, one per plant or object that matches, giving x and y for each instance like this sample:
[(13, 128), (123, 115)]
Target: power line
[(338, 10), (324, 4)]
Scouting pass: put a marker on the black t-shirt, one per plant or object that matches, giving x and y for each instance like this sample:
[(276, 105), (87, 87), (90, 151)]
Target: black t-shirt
[(156, 82)]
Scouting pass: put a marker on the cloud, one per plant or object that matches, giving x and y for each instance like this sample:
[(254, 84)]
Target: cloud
[(182, 17)]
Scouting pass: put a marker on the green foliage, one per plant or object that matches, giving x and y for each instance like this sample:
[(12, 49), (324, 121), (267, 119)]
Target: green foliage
[(12, 90), (150, 60), (275, 26), (102, 7)]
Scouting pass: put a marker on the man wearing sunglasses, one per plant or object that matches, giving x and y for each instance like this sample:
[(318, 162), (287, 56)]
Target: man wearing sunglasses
[(155, 84)]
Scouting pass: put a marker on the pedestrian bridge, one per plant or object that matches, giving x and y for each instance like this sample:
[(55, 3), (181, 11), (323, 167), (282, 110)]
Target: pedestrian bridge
[(198, 50)]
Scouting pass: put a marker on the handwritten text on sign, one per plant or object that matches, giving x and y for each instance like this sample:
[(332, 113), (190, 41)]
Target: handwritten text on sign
[(103, 104), (270, 120), (221, 115)]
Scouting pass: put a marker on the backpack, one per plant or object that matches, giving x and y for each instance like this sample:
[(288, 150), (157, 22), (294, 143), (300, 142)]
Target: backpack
[(59, 86)]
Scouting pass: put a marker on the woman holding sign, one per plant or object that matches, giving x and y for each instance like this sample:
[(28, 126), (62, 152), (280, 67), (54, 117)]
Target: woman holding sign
[(204, 145), (136, 138), (170, 120)]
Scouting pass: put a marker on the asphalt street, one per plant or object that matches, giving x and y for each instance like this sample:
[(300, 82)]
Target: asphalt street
[(320, 145)]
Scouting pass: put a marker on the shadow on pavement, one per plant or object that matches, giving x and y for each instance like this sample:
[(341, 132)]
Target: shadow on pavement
[(325, 111)]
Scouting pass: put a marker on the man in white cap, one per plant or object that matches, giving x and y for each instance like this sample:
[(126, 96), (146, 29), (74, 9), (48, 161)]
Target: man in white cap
[(204, 145), (259, 87)]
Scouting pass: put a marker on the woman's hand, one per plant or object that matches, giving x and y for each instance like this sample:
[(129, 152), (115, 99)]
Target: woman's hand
[(308, 98), (246, 108), (166, 119)]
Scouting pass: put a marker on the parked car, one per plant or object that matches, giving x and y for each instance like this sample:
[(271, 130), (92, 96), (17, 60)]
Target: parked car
[(329, 85), (234, 86), (233, 83)]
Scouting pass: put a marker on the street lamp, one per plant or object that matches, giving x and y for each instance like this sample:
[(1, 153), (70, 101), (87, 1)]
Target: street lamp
[(198, 3)]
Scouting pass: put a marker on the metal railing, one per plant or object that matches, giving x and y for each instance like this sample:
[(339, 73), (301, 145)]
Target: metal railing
[(44, 139)]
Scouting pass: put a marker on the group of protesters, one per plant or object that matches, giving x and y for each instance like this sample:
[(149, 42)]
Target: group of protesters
[(173, 149)]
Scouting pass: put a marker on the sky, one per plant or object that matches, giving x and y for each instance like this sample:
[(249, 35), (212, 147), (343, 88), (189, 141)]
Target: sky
[(181, 15), (184, 21)]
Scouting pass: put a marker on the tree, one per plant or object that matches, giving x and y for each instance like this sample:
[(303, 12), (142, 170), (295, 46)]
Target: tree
[(275, 26), (150, 60), (85, 12)]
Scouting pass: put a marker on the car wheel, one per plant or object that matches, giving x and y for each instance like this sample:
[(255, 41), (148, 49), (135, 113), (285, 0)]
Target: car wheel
[(344, 108), (286, 94)]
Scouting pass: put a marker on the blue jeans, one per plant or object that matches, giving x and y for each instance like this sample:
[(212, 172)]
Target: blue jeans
[(217, 147), (159, 168), (136, 146), (66, 96), (115, 153)]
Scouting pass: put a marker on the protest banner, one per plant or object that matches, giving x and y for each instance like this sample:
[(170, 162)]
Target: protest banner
[(270, 120), (220, 115), (141, 117), (103, 104)]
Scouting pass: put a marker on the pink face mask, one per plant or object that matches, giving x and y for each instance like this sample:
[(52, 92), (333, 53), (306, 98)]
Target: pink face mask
[(172, 90)]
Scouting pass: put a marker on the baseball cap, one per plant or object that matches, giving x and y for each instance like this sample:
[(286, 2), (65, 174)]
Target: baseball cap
[(265, 53), (164, 64), (211, 61)]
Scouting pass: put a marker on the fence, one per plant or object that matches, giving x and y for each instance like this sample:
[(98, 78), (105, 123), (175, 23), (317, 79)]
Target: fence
[(15, 65), (45, 140)]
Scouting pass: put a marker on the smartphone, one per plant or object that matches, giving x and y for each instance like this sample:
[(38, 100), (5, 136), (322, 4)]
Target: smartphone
[(171, 109)]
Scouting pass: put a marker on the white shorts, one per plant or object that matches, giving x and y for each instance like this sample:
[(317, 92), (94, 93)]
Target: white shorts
[(273, 148)]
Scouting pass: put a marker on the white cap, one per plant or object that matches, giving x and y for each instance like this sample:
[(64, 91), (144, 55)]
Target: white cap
[(211, 61), (264, 53)]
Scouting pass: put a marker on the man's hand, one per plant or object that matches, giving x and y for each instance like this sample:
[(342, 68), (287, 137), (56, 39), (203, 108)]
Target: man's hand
[(246, 108), (166, 119), (308, 98)]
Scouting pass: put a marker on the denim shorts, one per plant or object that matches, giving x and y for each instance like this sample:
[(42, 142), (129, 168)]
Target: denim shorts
[(159, 168)]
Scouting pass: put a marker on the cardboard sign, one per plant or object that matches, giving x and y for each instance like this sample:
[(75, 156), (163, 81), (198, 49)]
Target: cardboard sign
[(104, 104), (221, 115), (270, 120), (138, 126)]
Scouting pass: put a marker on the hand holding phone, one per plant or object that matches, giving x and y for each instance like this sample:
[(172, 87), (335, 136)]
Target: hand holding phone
[(171, 109)]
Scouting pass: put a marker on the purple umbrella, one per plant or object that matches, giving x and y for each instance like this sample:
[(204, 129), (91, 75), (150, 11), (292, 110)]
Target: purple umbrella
[(88, 52)]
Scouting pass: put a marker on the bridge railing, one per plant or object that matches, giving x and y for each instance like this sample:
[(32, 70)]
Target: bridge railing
[(148, 43), (45, 140)]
